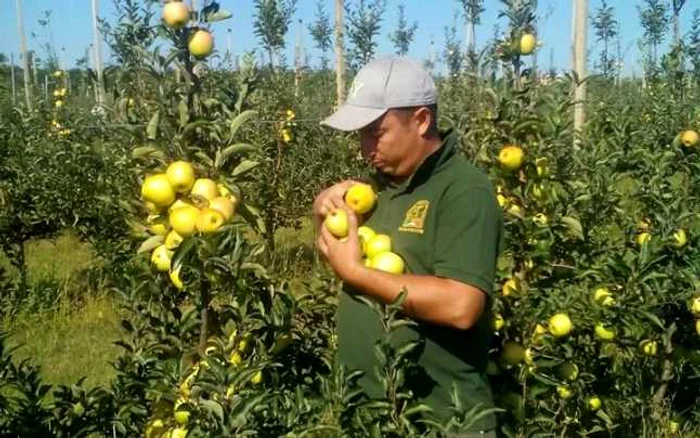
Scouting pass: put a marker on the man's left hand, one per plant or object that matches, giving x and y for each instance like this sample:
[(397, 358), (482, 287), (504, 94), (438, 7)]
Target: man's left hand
[(344, 255)]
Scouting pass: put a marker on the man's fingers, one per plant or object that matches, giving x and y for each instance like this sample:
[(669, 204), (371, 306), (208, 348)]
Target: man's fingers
[(322, 245), (352, 222)]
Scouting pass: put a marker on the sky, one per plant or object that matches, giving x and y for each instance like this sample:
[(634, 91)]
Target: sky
[(71, 27)]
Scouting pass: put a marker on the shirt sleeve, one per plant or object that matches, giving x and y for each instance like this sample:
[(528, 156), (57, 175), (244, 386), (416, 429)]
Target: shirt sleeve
[(469, 237)]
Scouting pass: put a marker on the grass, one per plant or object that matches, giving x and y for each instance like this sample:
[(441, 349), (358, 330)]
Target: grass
[(68, 342), (58, 259)]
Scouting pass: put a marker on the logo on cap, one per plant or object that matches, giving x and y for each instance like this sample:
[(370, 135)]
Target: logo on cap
[(355, 88)]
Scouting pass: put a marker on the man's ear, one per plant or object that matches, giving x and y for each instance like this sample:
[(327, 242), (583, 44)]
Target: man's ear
[(423, 118)]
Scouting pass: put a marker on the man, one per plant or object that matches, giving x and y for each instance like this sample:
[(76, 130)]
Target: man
[(444, 221)]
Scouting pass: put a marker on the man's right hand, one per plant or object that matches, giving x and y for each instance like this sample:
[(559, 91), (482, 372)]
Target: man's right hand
[(329, 199)]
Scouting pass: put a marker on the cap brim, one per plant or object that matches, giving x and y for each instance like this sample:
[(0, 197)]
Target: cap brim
[(352, 118)]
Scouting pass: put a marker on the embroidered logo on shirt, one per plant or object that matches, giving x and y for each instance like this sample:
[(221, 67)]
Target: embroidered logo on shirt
[(415, 217)]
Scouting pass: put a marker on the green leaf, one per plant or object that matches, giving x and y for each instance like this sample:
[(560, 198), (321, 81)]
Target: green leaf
[(152, 128), (238, 121), (243, 409), (238, 148), (206, 159), (150, 243), (194, 125), (184, 248), (146, 152), (574, 226), (218, 16), (212, 407), (244, 167), (184, 113), (653, 318), (253, 217)]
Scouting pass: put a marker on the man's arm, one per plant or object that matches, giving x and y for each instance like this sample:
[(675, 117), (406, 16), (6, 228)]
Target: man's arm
[(433, 299), (437, 300)]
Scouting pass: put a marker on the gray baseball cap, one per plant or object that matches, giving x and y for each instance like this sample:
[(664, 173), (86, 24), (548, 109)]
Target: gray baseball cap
[(382, 84)]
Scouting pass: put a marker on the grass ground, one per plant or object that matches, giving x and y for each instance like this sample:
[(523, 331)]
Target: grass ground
[(68, 342)]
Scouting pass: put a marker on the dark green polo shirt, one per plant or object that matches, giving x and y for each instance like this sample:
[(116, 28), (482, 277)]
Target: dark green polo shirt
[(444, 221)]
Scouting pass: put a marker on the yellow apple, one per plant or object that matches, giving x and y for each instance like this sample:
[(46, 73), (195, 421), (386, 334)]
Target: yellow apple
[(560, 325), (564, 392), (511, 157), (360, 198), (179, 432), (680, 238), (388, 262), (204, 189), (223, 205), (181, 176), (604, 333), (498, 322), (527, 44), (649, 347), (337, 223), (643, 238), (568, 371), (690, 138), (365, 234), (184, 220), (594, 403), (157, 190), (378, 244), (209, 220), (176, 14), (223, 190), (175, 278), (201, 44), (513, 353), (179, 203), (161, 258), (695, 306), (182, 416), (158, 225), (542, 167), (173, 240), (601, 294)]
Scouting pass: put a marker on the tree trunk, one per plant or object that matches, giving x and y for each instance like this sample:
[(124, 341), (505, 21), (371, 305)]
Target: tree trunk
[(98, 55), (676, 29), (339, 53), (25, 56), (580, 33), (22, 265), (204, 313), (13, 80), (297, 59), (35, 76)]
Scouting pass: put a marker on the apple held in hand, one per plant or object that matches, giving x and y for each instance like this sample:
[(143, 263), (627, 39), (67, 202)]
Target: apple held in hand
[(388, 262), (360, 198), (337, 223)]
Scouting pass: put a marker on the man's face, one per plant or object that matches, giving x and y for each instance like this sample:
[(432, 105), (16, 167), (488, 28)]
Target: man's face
[(391, 143)]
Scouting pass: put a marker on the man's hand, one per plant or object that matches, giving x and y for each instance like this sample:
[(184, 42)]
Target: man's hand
[(344, 255), (329, 199)]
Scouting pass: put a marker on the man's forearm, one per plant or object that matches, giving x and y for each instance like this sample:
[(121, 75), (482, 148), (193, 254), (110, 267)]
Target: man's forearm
[(437, 300)]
